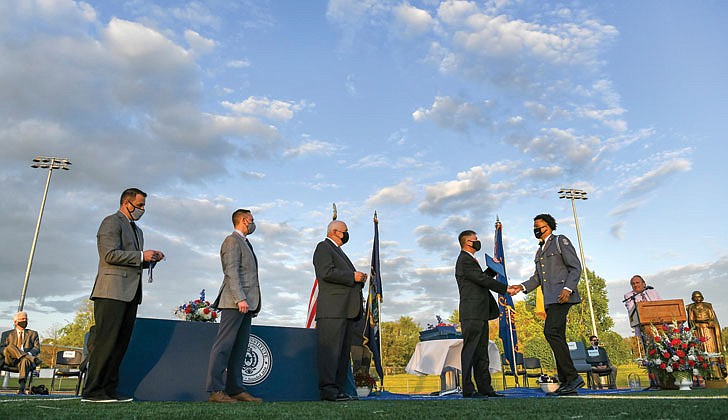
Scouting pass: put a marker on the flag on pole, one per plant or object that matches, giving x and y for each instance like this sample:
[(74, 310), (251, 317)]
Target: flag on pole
[(507, 324), (311, 314), (374, 299)]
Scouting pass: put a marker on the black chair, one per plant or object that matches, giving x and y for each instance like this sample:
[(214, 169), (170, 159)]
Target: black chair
[(14, 369), (530, 364), (600, 366), (508, 369), (68, 366), (578, 356)]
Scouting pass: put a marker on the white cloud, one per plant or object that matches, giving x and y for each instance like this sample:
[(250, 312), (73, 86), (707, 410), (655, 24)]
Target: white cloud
[(402, 193), (264, 107), (413, 20), (314, 147), (454, 113)]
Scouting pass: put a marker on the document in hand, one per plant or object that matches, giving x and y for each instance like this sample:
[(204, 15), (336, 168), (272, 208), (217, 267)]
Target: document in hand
[(497, 267)]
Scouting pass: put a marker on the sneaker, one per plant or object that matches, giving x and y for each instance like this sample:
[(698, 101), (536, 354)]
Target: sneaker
[(99, 400)]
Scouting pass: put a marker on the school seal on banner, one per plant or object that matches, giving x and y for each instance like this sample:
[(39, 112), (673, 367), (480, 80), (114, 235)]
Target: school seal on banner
[(258, 361)]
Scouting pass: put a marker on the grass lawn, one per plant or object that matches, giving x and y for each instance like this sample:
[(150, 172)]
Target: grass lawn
[(698, 403)]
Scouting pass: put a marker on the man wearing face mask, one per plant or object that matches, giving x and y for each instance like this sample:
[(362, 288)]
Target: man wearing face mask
[(558, 271), (477, 307), (239, 301), (20, 348), (339, 307), (117, 294)]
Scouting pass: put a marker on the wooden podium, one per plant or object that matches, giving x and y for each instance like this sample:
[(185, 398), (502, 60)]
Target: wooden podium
[(656, 312)]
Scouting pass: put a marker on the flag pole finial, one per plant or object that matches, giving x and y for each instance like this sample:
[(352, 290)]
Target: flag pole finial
[(376, 220), (334, 215), (497, 220)]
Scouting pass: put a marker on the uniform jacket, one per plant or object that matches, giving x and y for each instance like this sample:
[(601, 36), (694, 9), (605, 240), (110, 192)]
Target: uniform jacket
[(120, 259), (557, 266), (240, 269), (474, 285), (339, 295)]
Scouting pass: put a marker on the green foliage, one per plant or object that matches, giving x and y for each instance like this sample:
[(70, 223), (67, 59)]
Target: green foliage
[(399, 339), (71, 335)]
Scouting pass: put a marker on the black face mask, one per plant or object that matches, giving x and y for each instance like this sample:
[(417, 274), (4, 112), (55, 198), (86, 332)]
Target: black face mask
[(538, 232), (345, 238), (476, 246), (22, 324), (595, 343)]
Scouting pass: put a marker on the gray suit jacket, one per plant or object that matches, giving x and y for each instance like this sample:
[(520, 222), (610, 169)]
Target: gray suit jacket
[(557, 266), (240, 270), (120, 259)]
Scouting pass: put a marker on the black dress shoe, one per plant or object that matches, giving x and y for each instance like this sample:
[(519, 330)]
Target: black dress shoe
[(571, 387), (494, 394), (474, 395), (340, 397)]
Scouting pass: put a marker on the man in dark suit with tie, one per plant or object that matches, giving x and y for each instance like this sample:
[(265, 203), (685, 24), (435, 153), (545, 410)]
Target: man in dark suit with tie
[(558, 271), (339, 307), (477, 307), (20, 348), (239, 301), (117, 294)]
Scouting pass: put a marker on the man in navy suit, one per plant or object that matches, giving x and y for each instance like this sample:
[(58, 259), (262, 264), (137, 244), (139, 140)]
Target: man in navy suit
[(20, 348), (558, 271), (339, 307), (477, 307)]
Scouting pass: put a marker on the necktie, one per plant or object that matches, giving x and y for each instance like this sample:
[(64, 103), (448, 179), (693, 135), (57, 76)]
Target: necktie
[(253, 252), (136, 236), (20, 340)]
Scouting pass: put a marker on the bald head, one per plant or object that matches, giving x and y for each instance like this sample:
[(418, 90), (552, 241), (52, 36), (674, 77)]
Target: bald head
[(338, 232)]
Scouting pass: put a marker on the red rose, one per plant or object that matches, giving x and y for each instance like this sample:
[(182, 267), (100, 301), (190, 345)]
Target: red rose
[(664, 328), (675, 342), (691, 363), (652, 352), (214, 315), (663, 365), (206, 311), (676, 330), (680, 353), (657, 338), (651, 376), (705, 366), (686, 329), (700, 358), (692, 345), (702, 339), (188, 310), (684, 346), (675, 366), (198, 301), (666, 355)]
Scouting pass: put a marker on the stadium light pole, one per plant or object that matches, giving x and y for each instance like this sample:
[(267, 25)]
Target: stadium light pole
[(49, 163), (574, 194)]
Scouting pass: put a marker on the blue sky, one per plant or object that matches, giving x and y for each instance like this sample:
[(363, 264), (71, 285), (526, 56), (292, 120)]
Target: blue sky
[(439, 115)]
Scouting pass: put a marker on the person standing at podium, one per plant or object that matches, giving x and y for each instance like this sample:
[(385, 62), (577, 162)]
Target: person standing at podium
[(640, 292), (477, 307)]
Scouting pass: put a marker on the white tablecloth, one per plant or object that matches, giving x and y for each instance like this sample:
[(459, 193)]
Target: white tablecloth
[(431, 357)]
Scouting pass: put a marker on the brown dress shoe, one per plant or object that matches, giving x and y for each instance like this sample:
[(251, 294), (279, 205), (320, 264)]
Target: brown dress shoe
[(244, 396), (221, 397)]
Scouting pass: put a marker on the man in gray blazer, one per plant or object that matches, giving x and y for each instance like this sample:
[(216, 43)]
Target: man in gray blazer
[(558, 271), (117, 294), (339, 306), (20, 348), (239, 302)]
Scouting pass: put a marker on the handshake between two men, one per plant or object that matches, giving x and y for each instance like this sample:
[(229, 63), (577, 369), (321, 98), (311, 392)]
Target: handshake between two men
[(516, 288)]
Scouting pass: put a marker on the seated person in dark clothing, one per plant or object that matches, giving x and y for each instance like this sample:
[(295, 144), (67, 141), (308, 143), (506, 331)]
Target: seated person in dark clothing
[(20, 348), (597, 357)]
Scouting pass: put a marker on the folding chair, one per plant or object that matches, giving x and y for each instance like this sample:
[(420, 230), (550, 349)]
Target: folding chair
[(67, 366)]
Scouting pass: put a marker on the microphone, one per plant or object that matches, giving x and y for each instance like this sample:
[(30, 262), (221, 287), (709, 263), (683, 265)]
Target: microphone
[(649, 288)]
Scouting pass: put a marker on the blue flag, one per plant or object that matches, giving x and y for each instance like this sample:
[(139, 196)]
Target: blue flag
[(507, 325), (371, 330)]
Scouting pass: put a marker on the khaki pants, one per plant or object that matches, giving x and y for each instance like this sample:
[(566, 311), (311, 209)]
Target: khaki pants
[(23, 361)]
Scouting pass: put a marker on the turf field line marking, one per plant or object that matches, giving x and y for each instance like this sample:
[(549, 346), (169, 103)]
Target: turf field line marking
[(44, 399), (656, 397)]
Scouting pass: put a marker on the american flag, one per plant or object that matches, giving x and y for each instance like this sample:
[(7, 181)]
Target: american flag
[(311, 316)]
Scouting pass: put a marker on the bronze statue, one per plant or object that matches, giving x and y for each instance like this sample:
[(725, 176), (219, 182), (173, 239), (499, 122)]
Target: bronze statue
[(702, 317)]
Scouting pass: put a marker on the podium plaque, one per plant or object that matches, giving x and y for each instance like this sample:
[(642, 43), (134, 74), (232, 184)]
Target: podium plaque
[(657, 312)]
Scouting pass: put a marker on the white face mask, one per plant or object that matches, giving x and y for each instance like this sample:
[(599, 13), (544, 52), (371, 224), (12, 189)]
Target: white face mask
[(137, 213)]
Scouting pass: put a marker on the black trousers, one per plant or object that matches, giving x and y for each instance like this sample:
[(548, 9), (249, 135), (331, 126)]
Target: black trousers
[(334, 343), (554, 330), (114, 325), (474, 356)]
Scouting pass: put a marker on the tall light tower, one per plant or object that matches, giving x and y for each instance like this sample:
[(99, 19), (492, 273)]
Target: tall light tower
[(574, 194), (49, 163)]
